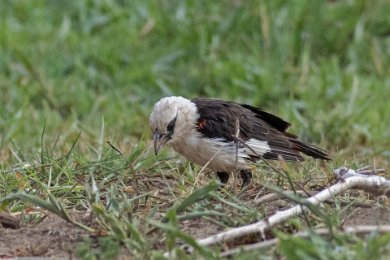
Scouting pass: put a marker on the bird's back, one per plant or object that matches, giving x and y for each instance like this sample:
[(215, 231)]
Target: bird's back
[(262, 134)]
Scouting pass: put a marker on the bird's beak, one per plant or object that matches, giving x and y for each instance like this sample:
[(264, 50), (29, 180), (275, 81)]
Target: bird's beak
[(159, 140)]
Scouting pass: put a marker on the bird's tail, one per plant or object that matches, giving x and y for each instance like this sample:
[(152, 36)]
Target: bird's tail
[(310, 150)]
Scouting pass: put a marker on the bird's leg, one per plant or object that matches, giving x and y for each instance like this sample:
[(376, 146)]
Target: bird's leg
[(223, 177), (246, 176)]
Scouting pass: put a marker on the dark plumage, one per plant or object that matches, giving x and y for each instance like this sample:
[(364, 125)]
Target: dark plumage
[(218, 119)]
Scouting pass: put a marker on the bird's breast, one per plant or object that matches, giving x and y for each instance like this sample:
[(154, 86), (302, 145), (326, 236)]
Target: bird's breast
[(216, 153)]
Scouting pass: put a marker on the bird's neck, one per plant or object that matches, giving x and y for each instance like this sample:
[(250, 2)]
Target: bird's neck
[(187, 141)]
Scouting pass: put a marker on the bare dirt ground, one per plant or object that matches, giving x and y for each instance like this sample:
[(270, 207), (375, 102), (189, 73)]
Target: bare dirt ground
[(52, 237), (377, 215)]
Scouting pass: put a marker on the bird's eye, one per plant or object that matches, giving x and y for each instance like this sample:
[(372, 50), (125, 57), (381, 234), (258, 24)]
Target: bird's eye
[(171, 125)]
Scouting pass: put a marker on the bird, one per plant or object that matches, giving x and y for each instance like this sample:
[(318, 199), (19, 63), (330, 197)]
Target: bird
[(225, 136)]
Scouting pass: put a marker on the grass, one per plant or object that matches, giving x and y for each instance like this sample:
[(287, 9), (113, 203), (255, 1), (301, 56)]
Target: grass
[(76, 74)]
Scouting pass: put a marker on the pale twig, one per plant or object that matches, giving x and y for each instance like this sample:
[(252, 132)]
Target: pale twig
[(344, 172), (348, 179), (321, 231), (382, 187), (370, 183), (276, 196)]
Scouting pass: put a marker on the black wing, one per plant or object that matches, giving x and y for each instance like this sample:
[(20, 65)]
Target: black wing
[(217, 119)]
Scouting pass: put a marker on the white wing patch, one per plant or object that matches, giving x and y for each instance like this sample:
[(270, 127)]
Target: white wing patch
[(218, 154), (260, 147)]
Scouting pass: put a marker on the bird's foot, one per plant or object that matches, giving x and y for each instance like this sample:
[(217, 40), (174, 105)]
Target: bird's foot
[(246, 176), (223, 178)]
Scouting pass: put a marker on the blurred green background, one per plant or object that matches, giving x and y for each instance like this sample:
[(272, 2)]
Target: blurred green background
[(65, 65)]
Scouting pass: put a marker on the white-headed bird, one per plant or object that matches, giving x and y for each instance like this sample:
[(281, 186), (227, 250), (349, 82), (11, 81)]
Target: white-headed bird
[(225, 135)]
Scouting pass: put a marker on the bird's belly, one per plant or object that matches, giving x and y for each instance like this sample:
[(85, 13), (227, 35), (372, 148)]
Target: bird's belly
[(218, 155)]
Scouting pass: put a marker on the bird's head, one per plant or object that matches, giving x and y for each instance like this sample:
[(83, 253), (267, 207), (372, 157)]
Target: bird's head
[(171, 120)]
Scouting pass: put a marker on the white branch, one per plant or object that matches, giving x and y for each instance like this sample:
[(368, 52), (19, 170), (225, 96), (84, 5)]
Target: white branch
[(348, 179), (362, 179)]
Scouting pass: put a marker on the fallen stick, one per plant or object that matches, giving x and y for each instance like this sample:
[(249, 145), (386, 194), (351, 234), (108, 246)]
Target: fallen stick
[(348, 179), (270, 197)]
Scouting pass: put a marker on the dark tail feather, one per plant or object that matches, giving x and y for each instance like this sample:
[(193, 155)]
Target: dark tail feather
[(310, 150), (287, 154)]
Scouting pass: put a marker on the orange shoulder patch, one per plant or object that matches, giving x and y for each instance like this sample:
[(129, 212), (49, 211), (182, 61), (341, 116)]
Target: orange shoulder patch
[(201, 123)]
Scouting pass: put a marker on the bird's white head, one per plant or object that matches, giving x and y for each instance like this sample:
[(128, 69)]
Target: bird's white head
[(171, 120)]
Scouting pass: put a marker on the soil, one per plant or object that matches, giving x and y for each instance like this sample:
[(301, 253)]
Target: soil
[(377, 215), (52, 237)]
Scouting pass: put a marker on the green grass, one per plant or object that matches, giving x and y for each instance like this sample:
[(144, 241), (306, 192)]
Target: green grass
[(76, 74)]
